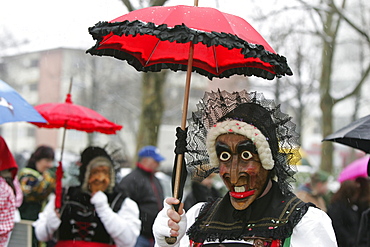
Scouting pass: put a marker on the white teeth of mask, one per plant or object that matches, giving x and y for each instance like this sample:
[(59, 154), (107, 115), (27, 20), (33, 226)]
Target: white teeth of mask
[(239, 189)]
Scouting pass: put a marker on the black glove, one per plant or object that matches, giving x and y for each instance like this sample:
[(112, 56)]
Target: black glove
[(180, 143), (180, 148)]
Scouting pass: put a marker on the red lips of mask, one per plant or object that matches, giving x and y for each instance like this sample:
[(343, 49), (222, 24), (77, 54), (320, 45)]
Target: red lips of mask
[(241, 195)]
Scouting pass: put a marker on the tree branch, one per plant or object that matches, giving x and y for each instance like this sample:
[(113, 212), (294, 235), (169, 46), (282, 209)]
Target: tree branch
[(128, 5), (158, 2), (357, 88), (352, 24)]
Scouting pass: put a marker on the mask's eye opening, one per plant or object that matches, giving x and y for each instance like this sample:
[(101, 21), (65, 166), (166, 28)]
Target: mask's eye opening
[(224, 156), (246, 155)]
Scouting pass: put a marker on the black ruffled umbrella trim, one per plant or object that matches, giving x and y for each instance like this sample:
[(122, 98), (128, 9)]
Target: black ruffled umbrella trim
[(183, 34)]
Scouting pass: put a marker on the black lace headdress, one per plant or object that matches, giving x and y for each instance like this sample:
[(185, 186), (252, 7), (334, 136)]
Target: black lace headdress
[(253, 111)]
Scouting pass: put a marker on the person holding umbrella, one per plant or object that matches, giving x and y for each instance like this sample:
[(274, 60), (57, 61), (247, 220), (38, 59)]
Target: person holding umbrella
[(92, 214), (249, 142)]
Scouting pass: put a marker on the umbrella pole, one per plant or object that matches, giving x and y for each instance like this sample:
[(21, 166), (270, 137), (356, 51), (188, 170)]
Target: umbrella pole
[(176, 185), (59, 172), (176, 188)]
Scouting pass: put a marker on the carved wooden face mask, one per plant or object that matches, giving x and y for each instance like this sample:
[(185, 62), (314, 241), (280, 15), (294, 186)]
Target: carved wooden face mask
[(240, 169), (99, 178)]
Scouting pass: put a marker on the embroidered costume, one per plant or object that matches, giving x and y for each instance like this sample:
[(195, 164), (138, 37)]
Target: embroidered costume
[(249, 142)]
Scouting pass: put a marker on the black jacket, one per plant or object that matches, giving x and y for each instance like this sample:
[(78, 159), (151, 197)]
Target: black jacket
[(145, 189), (346, 221), (79, 219), (363, 239)]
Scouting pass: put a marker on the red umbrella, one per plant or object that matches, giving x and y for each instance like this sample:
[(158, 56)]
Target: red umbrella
[(155, 38), (71, 116), (188, 38)]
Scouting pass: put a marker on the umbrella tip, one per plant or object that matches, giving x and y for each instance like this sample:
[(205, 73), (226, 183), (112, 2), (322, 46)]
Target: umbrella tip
[(69, 98)]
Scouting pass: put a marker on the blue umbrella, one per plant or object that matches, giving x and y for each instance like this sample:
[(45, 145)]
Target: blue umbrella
[(14, 108)]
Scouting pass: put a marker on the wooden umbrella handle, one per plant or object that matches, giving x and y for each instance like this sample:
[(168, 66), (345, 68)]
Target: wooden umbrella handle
[(176, 187)]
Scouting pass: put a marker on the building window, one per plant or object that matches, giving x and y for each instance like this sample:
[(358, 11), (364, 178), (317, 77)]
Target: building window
[(31, 132), (34, 63), (33, 87)]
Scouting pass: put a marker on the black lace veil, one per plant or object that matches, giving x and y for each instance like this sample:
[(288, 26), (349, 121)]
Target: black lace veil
[(254, 109)]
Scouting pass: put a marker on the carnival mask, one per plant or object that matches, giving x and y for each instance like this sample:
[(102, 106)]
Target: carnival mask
[(240, 169), (99, 178)]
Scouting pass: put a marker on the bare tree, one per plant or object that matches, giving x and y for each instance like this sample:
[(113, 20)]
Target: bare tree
[(332, 18), (152, 105), (324, 22)]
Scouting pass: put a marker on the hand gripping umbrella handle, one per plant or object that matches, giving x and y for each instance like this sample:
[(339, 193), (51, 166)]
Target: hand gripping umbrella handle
[(178, 182), (179, 173)]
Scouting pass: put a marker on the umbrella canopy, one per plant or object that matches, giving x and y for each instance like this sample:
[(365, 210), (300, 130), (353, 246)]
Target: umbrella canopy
[(356, 134), (159, 37), (14, 108), (358, 168), (71, 116)]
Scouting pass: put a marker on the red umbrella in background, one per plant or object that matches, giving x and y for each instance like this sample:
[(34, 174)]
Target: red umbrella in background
[(188, 38), (71, 116)]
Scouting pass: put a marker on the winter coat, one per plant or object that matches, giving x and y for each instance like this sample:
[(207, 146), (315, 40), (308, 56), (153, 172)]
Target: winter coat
[(145, 189)]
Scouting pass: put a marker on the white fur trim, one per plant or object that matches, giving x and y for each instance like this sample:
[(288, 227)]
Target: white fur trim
[(241, 128)]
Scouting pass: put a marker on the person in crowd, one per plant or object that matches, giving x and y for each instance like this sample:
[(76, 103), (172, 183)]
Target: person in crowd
[(92, 214), (8, 194), (363, 237), (315, 190), (201, 192), (363, 201), (37, 182), (343, 211), (145, 189), (241, 136)]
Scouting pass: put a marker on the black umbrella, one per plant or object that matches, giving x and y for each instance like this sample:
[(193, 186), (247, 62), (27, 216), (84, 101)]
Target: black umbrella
[(355, 134)]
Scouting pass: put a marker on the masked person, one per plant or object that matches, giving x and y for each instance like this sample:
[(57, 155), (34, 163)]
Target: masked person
[(91, 214), (249, 142)]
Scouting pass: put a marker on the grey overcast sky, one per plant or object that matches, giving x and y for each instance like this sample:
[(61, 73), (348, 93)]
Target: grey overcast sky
[(49, 24)]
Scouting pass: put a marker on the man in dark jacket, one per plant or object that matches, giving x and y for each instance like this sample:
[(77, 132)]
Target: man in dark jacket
[(145, 189)]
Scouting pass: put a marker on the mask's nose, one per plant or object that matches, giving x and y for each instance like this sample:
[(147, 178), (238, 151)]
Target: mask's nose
[(237, 168), (100, 177), (234, 170)]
